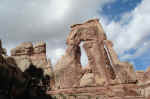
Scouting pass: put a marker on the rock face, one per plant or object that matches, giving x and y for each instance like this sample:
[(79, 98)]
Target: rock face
[(144, 81), (26, 54), (102, 59), (68, 69), (0, 47), (3, 53), (123, 70), (140, 76), (2, 50), (88, 77), (8, 73), (17, 79), (104, 77), (29, 57), (23, 49), (92, 34)]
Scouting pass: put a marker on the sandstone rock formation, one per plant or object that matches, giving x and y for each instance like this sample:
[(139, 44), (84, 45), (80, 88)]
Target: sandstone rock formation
[(26, 54), (3, 53), (92, 34), (144, 81), (88, 77), (102, 59), (68, 69), (104, 77), (12, 79), (123, 70), (17, 81), (140, 76), (2, 50)]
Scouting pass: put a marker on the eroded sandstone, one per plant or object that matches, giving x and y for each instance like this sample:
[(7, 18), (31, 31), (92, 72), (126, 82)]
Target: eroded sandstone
[(104, 68), (104, 77), (27, 53)]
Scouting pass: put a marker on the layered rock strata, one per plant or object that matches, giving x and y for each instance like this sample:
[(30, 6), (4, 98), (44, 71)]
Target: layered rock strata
[(26, 54), (104, 77), (102, 60)]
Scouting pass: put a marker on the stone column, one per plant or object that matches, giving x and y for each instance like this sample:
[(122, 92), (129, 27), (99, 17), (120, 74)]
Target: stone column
[(97, 62), (113, 54), (68, 69)]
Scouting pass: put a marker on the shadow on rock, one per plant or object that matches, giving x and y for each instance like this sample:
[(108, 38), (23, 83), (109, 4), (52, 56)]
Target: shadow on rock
[(15, 84)]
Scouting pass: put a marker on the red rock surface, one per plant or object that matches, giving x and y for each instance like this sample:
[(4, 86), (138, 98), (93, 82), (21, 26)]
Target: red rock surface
[(103, 62), (105, 77), (27, 53), (104, 74), (68, 69)]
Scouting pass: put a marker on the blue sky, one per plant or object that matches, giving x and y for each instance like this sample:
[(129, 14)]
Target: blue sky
[(126, 23), (114, 12)]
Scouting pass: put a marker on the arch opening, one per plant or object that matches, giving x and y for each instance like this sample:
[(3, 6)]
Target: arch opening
[(84, 58)]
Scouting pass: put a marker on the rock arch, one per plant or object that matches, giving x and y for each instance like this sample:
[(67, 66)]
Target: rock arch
[(92, 34), (103, 62)]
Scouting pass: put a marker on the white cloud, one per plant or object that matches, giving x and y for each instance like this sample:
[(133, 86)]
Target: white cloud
[(54, 55), (49, 20), (131, 31), (140, 51)]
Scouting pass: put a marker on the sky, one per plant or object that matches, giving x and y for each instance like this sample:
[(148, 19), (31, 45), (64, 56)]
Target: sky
[(126, 24)]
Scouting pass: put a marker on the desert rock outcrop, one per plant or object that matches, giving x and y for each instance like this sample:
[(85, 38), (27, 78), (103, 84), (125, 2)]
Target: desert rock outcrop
[(104, 77), (27, 53), (102, 59)]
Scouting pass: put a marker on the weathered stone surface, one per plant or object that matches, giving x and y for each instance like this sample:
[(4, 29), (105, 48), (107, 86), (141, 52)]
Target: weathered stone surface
[(0, 47), (105, 77), (117, 79), (144, 81), (146, 75), (68, 69), (123, 71), (140, 76), (39, 48), (113, 54), (123, 91), (96, 62), (23, 49), (93, 35), (27, 54), (3, 51), (126, 72), (87, 80), (102, 59), (23, 62)]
